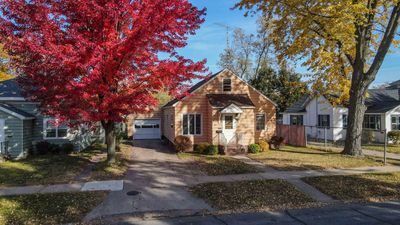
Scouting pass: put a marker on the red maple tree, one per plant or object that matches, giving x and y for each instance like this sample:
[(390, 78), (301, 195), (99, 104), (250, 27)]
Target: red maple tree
[(90, 61)]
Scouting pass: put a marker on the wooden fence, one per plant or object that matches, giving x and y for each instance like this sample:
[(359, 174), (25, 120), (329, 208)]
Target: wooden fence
[(293, 134)]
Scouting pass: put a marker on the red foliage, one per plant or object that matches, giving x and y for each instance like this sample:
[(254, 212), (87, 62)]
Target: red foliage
[(99, 60)]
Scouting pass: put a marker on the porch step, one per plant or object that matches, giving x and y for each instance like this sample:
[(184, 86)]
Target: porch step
[(234, 151)]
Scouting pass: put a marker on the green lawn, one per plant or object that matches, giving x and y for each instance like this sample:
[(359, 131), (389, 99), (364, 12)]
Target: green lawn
[(256, 195), (366, 187), (38, 209), (217, 165), (300, 158), (56, 169), (390, 148)]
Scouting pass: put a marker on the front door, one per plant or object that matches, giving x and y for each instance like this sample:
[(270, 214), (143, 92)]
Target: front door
[(229, 127)]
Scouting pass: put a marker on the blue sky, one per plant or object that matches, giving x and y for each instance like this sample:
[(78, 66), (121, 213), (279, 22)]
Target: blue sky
[(210, 39)]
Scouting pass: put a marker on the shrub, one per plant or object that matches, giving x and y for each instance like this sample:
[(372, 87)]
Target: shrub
[(254, 148), (276, 142), (264, 146), (183, 143), (221, 150), (44, 147), (394, 136), (212, 150), (67, 148), (201, 147)]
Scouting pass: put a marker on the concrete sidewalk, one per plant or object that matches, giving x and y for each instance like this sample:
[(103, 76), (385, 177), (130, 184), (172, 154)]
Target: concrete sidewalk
[(389, 155), (110, 185), (341, 214)]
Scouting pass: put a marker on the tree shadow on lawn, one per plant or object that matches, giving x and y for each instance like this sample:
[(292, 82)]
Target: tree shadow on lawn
[(366, 187)]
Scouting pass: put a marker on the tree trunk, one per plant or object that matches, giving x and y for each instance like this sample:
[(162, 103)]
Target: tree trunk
[(356, 113), (109, 128)]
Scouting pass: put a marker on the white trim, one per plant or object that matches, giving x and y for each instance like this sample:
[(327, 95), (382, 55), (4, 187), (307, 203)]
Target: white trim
[(265, 121), (52, 138), (201, 123), (228, 71), (16, 114), (232, 108), (12, 99)]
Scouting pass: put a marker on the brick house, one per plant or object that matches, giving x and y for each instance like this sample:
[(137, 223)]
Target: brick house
[(222, 109)]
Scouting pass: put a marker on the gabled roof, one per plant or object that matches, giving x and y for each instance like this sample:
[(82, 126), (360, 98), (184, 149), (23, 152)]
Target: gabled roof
[(378, 101), (382, 100), (193, 88), (9, 109), (394, 85), (205, 81), (300, 105), (224, 100), (10, 89)]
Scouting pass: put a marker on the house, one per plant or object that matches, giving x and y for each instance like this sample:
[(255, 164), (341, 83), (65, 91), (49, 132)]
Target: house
[(222, 110), (22, 125), (322, 118)]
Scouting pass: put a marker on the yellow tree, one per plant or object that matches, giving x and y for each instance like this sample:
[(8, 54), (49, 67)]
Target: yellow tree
[(4, 65), (342, 41)]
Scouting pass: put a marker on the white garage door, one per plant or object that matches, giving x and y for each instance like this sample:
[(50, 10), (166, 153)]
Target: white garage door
[(147, 129)]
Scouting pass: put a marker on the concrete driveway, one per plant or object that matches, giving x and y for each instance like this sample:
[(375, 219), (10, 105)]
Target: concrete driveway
[(159, 178)]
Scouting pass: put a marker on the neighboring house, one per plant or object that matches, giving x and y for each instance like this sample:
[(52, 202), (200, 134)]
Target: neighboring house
[(222, 110), (22, 125), (320, 116)]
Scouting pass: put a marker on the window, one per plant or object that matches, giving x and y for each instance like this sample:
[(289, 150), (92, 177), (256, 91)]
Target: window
[(395, 122), (324, 121), (372, 122), (227, 85), (260, 121), (296, 120), (191, 124), (345, 119), (52, 130), (228, 122)]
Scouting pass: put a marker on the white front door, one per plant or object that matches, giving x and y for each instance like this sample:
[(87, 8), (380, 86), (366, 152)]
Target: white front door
[(229, 127), (2, 135)]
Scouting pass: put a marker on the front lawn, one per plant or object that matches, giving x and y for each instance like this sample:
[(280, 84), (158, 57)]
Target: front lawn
[(55, 169), (59, 208), (365, 187), (377, 147), (255, 195), (217, 165), (300, 158)]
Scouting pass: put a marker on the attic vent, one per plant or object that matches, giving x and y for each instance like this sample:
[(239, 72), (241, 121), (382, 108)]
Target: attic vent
[(227, 85)]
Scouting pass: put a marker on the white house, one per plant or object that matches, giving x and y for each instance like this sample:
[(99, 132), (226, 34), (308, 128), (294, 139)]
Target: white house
[(322, 119)]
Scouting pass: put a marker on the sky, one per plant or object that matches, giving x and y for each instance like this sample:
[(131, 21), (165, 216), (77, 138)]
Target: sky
[(210, 40)]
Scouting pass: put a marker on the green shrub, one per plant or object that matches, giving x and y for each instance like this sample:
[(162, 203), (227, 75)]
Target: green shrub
[(394, 136), (201, 147), (264, 146), (67, 148), (212, 150), (183, 143), (254, 148)]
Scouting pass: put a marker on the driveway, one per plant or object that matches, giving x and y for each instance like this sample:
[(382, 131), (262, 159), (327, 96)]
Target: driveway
[(158, 178)]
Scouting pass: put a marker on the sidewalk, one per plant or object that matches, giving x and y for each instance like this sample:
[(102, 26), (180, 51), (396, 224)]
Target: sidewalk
[(110, 185), (380, 154)]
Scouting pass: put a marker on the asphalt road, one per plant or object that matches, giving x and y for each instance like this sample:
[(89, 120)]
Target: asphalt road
[(344, 214)]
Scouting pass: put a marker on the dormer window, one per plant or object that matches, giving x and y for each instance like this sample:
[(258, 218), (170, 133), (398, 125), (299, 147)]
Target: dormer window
[(227, 85)]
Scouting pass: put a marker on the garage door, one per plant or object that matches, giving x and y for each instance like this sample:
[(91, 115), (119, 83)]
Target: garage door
[(147, 129)]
